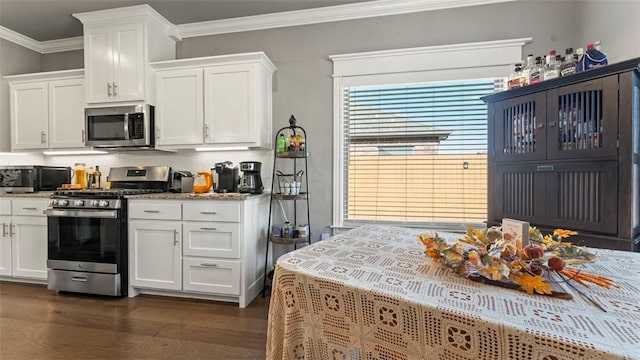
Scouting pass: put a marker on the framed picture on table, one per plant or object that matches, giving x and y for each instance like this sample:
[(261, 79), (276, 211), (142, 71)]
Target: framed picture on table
[(516, 231)]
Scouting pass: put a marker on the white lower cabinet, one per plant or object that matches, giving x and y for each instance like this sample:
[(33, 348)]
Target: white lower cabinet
[(23, 244), (211, 275), (212, 253), (155, 258)]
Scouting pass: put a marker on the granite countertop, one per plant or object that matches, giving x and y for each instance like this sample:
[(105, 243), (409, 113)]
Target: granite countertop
[(38, 194), (192, 196)]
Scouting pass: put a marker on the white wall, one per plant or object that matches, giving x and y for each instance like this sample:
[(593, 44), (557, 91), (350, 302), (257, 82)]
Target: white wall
[(616, 23)]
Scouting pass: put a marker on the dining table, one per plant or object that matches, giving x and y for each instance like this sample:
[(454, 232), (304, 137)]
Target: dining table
[(372, 293)]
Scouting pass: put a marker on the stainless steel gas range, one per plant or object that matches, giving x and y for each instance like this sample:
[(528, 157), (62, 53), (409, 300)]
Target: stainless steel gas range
[(87, 232)]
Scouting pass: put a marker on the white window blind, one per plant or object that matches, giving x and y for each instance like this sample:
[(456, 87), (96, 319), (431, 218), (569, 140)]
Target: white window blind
[(416, 153)]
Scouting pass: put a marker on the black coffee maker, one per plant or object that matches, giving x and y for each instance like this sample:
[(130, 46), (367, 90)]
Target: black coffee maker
[(226, 177), (251, 182)]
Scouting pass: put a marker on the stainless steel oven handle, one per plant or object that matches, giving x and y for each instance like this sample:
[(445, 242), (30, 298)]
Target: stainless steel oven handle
[(107, 214), (79, 278)]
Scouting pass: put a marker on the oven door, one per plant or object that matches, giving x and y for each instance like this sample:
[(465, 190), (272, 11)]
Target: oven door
[(86, 240)]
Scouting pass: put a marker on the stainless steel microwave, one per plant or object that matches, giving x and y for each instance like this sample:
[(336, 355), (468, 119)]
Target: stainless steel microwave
[(33, 178), (120, 126)]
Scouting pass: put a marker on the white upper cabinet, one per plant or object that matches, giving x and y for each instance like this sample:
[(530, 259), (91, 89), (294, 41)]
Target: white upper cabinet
[(217, 101), (47, 110), (114, 63), (118, 46)]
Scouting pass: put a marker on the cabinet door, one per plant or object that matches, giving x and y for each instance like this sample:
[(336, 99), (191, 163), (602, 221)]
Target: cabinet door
[(5, 245), (29, 247), (179, 107), (98, 63), (155, 254), (128, 62), (519, 193), (582, 120), (211, 239), (212, 276), (520, 128), (230, 104), (583, 196), (66, 113), (29, 115)]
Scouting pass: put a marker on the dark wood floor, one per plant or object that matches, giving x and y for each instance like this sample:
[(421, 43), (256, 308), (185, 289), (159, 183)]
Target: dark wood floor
[(36, 323)]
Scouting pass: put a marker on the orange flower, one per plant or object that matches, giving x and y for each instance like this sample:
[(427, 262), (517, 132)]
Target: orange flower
[(564, 233), (432, 253)]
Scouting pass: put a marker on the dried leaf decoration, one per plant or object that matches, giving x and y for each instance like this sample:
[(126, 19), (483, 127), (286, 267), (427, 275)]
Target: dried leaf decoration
[(531, 284)]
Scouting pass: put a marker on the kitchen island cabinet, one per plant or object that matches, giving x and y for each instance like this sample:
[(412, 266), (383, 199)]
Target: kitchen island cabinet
[(190, 247), (23, 245)]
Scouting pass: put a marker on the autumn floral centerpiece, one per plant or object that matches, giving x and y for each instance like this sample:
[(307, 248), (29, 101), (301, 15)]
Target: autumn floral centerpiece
[(500, 257)]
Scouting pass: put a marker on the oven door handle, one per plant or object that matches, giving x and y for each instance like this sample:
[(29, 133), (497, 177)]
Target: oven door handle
[(108, 214)]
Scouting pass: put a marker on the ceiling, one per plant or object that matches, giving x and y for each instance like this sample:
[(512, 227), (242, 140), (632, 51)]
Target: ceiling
[(44, 20)]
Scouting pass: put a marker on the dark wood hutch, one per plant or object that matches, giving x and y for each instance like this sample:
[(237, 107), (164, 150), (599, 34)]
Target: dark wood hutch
[(565, 153)]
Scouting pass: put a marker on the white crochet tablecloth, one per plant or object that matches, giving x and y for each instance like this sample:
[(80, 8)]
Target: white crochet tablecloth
[(371, 293)]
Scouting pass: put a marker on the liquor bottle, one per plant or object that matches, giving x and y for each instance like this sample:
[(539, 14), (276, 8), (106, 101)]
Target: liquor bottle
[(527, 68), (579, 59), (568, 66), (535, 75), (551, 69), (517, 78)]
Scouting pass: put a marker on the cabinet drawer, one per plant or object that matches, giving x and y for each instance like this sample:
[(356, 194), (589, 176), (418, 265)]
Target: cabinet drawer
[(29, 207), (211, 276), (211, 239), (225, 211), (5, 207), (155, 210)]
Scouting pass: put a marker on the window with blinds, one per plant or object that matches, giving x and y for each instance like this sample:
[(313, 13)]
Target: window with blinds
[(416, 153)]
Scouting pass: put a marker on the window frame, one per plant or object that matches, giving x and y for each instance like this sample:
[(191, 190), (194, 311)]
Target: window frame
[(404, 66)]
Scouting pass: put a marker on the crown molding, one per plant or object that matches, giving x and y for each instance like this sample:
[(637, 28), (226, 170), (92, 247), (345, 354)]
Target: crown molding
[(247, 23), (68, 44), (323, 15), (20, 39)]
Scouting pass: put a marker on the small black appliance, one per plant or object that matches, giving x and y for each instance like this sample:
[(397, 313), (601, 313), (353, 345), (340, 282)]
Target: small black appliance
[(251, 182), (226, 180)]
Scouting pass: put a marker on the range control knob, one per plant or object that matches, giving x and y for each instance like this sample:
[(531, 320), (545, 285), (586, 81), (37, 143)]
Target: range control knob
[(63, 202), (78, 203), (103, 203), (94, 203)]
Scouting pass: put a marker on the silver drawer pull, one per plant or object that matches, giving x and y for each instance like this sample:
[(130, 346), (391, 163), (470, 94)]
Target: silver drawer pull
[(544, 168), (208, 228), (210, 265), (79, 278), (29, 208), (152, 211), (208, 212)]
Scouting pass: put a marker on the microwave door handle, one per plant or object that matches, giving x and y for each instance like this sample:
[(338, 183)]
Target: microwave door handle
[(126, 126)]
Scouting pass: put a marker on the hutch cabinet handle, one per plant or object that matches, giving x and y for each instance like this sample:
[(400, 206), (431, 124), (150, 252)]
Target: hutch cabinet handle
[(29, 208), (175, 238), (542, 168), (208, 228), (152, 211), (209, 265), (552, 124), (4, 229), (208, 212), (115, 87), (540, 126), (108, 89)]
